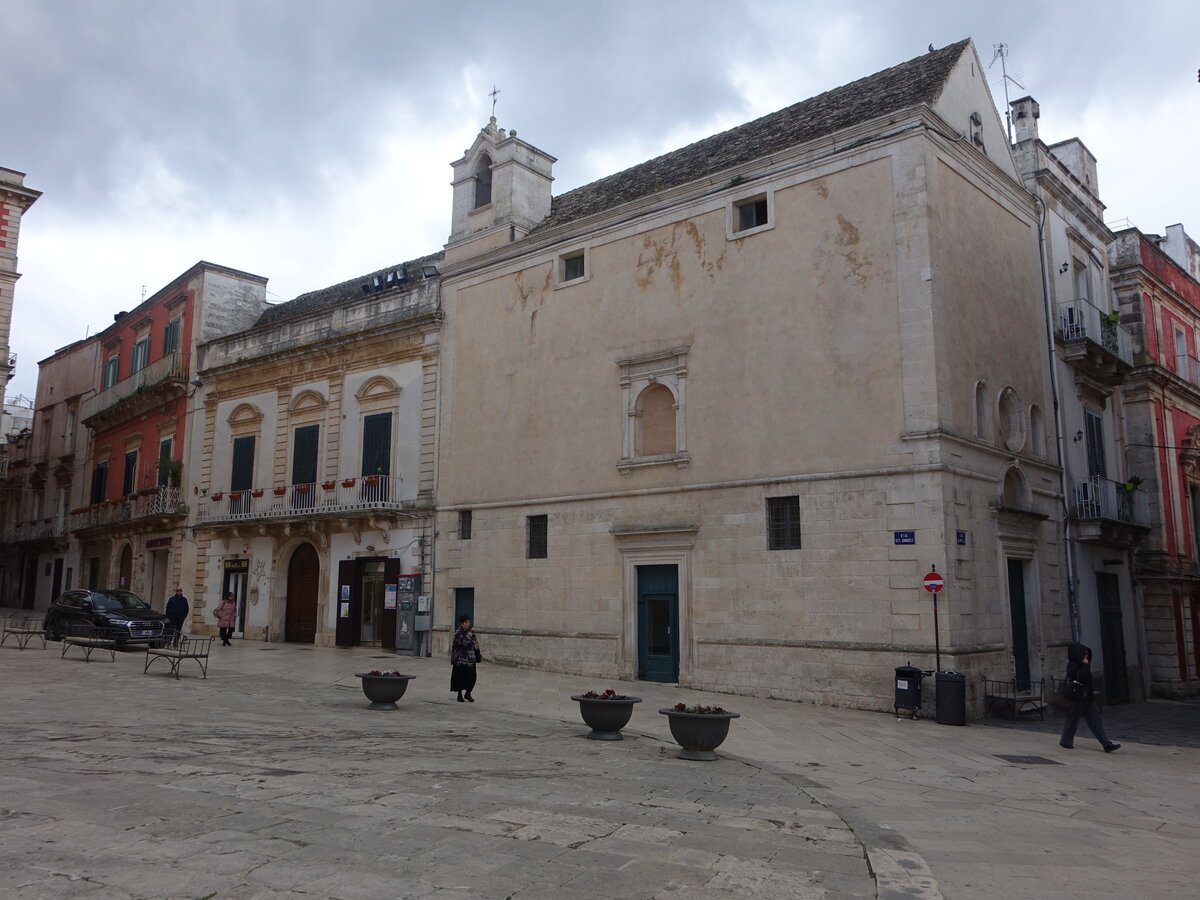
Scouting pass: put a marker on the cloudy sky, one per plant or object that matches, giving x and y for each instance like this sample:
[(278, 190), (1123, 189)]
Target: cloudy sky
[(308, 141)]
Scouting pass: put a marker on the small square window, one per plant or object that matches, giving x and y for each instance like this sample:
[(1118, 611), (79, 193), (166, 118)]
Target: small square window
[(535, 537), (783, 523), (464, 525), (751, 214), (572, 267)]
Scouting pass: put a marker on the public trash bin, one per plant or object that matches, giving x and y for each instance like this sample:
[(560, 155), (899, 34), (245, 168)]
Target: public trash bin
[(908, 690), (951, 698)]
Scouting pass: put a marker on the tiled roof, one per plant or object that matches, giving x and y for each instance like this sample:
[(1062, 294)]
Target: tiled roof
[(339, 293), (917, 81)]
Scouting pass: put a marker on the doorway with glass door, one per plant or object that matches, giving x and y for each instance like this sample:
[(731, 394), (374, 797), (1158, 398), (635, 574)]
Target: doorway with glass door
[(658, 623)]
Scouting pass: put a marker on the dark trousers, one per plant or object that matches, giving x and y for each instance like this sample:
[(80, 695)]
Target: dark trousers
[(1085, 709), (177, 622), (226, 634)]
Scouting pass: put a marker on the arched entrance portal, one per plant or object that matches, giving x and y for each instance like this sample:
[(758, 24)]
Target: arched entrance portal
[(125, 570), (304, 572)]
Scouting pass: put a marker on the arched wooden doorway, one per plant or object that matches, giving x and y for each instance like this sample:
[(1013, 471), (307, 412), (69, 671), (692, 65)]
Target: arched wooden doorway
[(125, 569), (304, 573)]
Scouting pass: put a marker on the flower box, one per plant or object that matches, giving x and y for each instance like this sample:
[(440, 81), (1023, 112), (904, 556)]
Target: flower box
[(328, 485), (371, 480), (698, 730), (235, 495), (257, 492), (605, 713), (300, 488), (348, 483), (217, 496), (278, 492)]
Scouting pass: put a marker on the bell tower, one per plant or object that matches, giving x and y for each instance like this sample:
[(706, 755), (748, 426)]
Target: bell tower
[(15, 198), (501, 191)]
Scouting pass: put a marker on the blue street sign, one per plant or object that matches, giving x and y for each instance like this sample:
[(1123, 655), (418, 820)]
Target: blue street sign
[(905, 537)]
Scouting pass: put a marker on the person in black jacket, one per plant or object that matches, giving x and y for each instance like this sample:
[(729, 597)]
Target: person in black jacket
[(1079, 675)]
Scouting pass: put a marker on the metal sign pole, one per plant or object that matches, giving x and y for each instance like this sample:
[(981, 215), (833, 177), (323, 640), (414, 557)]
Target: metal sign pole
[(937, 641)]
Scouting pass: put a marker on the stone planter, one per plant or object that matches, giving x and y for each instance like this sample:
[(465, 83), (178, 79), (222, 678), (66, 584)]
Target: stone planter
[(384, 690), (606, 718), (698, 734)]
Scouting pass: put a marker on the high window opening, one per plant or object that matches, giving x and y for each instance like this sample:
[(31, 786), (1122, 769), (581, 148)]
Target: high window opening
[(536, 537), (783, 523), (129, 481), (1094, 431), (483, 181), (141, 355), (751, 214), (108, 377)]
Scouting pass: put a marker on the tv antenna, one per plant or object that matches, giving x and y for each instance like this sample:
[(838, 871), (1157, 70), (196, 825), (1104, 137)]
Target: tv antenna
[(1000, 52)]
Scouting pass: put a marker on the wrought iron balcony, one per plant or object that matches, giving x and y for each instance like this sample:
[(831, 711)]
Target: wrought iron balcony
[(1079, 320), (159, 381), (341, 497), (143, 507), (51, 529), (1107, 507)]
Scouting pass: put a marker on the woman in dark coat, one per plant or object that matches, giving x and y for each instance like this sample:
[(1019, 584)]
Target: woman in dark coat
[(1079, 671), (464, 653)]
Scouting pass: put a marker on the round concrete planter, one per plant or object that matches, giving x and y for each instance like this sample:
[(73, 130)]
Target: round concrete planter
[(384, 690), (698, 734), (606, 718)]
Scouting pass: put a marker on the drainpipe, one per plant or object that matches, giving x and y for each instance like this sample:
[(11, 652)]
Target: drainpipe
[(1068, 545)]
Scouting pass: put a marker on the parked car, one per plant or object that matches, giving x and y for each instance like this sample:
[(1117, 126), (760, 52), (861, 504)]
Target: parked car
[(131, 618)]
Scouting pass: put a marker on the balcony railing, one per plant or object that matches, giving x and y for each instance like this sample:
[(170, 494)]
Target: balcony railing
[(348, 495), (170, 367), (40, 530), (1079, 320), (1100, 498), (164, 500)]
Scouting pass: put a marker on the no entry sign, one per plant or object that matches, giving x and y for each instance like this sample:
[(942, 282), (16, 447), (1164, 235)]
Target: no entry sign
[(933, 582)]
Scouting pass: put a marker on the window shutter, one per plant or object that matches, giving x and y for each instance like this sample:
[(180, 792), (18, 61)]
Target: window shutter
[(242, 476), (377, 444), (304, 454), (1095, 443)]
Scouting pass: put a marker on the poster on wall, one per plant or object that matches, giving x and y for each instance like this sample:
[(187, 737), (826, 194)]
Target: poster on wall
[(345, 593), (344, 611), (389, 596)]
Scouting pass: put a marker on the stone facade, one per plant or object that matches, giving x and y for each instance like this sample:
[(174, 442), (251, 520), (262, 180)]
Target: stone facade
[(15, 200), (315, 483), (1094, 356), (833, 337)]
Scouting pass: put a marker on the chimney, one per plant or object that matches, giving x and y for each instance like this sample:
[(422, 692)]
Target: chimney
[(1025, 113)]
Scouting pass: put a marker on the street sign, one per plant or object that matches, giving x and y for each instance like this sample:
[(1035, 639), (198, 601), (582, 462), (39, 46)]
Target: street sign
[(933, 582)]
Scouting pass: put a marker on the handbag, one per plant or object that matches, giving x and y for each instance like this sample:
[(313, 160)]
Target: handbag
[(1073, 690)]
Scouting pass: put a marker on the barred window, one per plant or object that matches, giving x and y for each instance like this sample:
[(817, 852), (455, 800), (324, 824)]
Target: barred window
[(464, 525), (783, 523), (535, 535)]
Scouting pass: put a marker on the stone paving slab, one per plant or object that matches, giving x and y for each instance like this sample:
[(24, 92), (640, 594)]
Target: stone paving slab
[(280, 761), (273, 784)]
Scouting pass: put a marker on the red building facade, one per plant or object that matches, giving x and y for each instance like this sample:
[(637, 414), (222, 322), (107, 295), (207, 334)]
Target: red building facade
[(1159, 301)]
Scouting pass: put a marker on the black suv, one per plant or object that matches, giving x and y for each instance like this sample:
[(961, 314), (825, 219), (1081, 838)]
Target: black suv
[(126, 614)]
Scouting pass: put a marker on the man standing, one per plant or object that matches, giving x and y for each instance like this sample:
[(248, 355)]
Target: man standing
[(177, 609)]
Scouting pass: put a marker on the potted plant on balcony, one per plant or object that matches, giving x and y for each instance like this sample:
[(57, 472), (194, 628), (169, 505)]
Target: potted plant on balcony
[(300, 488), (347, 482), (257, 492), (235, 495), (279, 492), (370, 480), (606, 713), (328, 485), (699, 730), (383, 689), (1133, 483), (217, 497)]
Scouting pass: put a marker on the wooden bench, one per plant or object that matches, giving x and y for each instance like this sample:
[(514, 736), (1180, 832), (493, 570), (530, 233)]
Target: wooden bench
[(89, 638), (178, 648), (1006, 694), (24, 630)]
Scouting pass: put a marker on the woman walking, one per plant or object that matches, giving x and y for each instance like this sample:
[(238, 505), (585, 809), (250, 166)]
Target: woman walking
[(1078, 692), (464, 653), (226, 613)]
